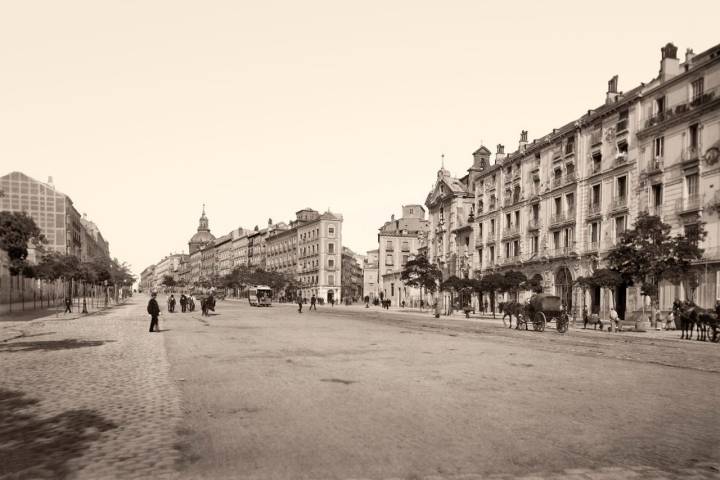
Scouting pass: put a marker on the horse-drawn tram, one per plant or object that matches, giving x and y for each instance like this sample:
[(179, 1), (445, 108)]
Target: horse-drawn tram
[(540, 310)]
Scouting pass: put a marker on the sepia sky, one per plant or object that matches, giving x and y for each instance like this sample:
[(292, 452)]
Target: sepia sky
[(144, 110)]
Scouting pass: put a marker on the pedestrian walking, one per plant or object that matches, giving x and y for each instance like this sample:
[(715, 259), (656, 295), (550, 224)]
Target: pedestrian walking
[(171, 304), (300, 303), (313, 302), (183, 303), (68, 305), (154, 310), (614, 320)]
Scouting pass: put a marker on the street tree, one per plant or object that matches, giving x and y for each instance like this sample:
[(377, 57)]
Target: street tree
[(17, 231), (492, 283), (421, 273), (453, 285), (535, 283), (169, 281), (514, 281), (649, 254)]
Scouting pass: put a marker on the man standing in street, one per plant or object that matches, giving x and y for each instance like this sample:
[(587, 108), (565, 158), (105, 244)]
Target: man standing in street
[(154, 310), (68, 305), (300, 302), (313, 302)]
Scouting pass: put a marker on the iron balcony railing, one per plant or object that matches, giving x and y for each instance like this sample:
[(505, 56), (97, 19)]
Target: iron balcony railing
[(563, 217), (680, 109), (556, 181), (562, 251), (655, 165), (621, 158), (595, 167), (596, 137), (619, 203), (690, 153), (511, 231), (534, 224), (690, 203), (594, 208), (592, 246)]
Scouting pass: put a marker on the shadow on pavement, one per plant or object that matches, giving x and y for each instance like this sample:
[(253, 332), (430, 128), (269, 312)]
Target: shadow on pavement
[(50, 345), (35, 447)]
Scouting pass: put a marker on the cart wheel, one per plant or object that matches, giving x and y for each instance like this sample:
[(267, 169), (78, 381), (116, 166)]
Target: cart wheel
[(562, 323), (539, 323)]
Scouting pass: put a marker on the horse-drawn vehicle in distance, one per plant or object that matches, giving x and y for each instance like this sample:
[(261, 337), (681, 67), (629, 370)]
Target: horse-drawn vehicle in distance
[(543, 308)]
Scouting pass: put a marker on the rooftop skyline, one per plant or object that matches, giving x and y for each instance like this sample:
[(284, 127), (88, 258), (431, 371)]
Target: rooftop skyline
[(143, 112)]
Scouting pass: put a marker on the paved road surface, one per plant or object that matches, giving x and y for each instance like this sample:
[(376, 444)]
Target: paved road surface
[(267, 393), (347, 394)]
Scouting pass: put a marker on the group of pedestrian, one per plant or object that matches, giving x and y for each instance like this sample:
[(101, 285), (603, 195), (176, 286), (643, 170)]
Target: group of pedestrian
[(187, 304), (313, 303)]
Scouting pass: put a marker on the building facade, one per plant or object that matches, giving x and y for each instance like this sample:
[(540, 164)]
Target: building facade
[(53, 211), (370, 275), (351, 276), (223, 255), (558, 205), (398, 242), (147, 279)]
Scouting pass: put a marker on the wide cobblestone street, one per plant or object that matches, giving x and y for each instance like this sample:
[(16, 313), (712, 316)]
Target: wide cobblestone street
[(348, 394)]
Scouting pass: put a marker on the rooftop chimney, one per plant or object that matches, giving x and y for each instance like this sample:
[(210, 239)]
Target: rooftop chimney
[(50, 182), (612, 93), (500, 153), (669, 63), (689, 55), (523, 140)]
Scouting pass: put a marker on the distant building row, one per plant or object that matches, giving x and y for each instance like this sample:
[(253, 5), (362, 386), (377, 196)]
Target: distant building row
[(308, 249)]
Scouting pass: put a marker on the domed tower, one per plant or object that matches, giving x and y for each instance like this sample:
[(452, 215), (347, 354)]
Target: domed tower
[(203, 235)]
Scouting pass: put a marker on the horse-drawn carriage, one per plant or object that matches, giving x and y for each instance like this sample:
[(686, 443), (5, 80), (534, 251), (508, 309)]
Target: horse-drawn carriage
[(207, 303), (541, 309)]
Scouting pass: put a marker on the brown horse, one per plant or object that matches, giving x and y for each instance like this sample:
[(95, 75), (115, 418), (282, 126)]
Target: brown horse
[(704, 319), (508, 309)]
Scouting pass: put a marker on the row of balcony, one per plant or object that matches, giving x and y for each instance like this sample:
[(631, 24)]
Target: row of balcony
[(681, 109)]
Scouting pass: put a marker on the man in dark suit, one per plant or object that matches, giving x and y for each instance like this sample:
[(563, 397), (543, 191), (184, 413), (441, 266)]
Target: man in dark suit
[(154, 310)]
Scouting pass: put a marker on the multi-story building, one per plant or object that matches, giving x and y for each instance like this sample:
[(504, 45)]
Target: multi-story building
[(319, 250), (559, 204), (239, 248), (282, 250), (450, 208), (169, 266), (223, 255), (398, 241), (93, 245), (53, 211), (208, 265), (370, 275), (195, 267), (147, 279), (351, 276), (678, 137)]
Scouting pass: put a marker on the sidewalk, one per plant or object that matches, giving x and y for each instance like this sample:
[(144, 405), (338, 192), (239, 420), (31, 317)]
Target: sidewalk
[(488, 319), (88, 397)]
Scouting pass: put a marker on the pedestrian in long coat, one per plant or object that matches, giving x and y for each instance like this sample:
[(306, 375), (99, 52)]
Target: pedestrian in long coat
[(154, 310), (300, 302), (313, 302), (183, 303)]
